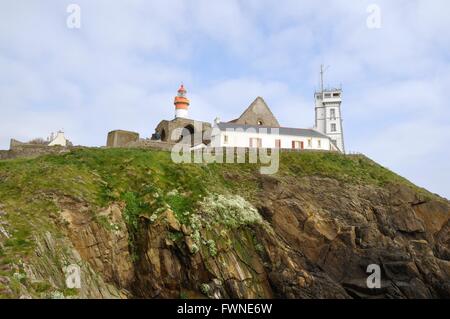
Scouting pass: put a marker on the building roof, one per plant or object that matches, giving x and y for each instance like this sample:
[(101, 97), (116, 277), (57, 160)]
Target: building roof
[(223, 126), (258, 111), (182, 89)]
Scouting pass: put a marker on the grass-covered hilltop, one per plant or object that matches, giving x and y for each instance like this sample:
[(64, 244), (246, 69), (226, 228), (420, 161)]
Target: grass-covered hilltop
[(141, 226)]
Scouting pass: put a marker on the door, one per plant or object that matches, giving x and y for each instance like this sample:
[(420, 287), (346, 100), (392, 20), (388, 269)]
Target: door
[(277, 143), (296, 145)]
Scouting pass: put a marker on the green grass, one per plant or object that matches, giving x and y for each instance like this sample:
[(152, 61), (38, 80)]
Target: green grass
[(356, 169), (147, 180)]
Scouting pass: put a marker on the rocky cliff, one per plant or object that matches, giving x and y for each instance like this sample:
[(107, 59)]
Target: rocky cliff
[(139, 226)]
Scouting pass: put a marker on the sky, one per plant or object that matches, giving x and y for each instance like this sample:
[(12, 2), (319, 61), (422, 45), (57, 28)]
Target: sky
[(121, 68)]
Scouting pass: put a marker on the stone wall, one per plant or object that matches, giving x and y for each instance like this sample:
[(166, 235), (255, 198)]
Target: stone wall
[(152, 144), (4, 155), (258, 113), (28, 150), (19, 149), (15, 143), (169, 131), (120, 138)]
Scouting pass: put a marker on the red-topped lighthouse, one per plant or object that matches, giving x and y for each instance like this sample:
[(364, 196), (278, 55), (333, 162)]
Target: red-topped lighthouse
[(181, 103)]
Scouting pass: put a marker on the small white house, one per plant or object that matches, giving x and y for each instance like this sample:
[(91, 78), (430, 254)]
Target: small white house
[(58, 140)]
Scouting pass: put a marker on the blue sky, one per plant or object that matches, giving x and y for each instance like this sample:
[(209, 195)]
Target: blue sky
[(122, 68)]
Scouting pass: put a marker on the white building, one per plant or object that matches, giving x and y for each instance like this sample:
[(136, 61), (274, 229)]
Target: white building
[(238, 135), (58, 140), (328, 116), (257, 127)]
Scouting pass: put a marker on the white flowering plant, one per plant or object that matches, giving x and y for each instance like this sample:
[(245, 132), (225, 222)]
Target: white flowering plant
[(230, 210)]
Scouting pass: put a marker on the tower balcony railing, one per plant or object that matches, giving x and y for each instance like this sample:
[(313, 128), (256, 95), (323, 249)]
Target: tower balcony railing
[(332, 99)]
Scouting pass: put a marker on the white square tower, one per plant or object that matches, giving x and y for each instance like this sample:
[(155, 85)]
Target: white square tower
[(328, 116)]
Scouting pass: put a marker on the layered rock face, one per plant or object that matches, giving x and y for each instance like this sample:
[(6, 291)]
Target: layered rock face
[(316, 239), (290, 236), (342, 228)]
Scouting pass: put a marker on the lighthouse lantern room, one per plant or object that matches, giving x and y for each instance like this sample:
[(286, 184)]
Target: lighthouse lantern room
[(181, 103)]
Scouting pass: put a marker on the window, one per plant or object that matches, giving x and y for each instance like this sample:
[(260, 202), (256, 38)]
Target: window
[(309, 143), (296, 145), (255, 142), (225, 139), (260, 123), (327, 94), (336, 94), (333, 127), (333, 113), (277, 143), (319, 144)]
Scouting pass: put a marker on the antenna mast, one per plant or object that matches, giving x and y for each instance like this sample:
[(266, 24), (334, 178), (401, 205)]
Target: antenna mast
[(322, 72), (321, 78)]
